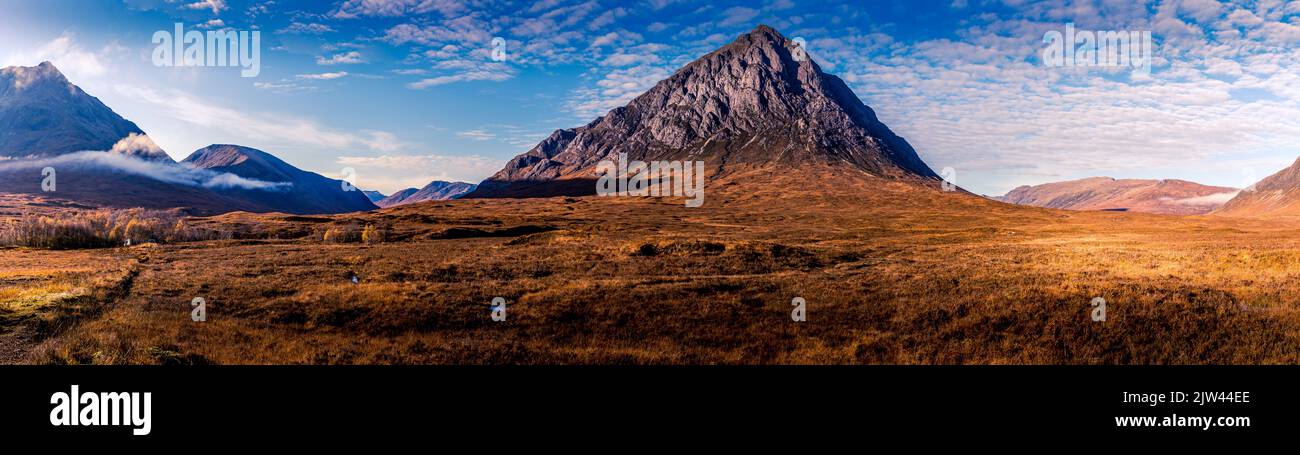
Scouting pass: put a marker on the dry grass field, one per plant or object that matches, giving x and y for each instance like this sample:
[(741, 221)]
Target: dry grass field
[(892, 273)]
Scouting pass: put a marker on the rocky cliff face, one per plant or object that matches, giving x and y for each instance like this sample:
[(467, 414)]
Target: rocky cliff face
[(749, 103)]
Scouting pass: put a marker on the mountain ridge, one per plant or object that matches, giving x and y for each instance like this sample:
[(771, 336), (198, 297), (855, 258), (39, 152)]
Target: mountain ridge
[(1165, 196), (309, 192), (436, 190)]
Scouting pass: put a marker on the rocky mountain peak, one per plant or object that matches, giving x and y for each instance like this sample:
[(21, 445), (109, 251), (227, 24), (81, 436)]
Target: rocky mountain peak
[(24, 77), (756, 101), (43, 114)]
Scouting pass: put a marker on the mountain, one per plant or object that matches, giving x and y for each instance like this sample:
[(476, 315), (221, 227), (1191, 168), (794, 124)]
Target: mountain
[(750, 104), (396, 198), (374, 196), (1176, 197), (436, 191), (43, 114), (1275, 195), (102, 159), (307, 192)]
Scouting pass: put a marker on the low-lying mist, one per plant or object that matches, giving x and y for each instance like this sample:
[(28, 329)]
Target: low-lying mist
[(165, 171)]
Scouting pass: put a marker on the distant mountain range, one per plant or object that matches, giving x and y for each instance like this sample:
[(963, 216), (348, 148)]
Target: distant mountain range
[(103, 159), (436, 191), (1178, 197), (757, 102)]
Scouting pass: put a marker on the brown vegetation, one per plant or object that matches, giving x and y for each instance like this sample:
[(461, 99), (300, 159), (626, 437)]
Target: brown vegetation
[(99, 228), (892, 274)]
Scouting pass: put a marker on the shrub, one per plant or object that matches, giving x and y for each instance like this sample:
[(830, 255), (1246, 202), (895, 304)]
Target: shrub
[(346, 233), (375, 234), (99, 229)]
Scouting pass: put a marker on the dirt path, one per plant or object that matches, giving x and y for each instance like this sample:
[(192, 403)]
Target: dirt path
[(19, 337), (16, 343)]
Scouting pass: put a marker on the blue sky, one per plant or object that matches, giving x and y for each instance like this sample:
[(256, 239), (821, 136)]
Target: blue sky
[(406, 91)]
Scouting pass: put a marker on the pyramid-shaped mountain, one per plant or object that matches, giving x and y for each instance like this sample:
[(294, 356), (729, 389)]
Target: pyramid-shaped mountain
[(753, 103), (43, 114)]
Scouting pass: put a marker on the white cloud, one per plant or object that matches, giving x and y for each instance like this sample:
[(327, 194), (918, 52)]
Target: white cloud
[(464, 29), (264, 130), (163, 171), (307, 28), (73, 61), (621, 59), (214, 23), (215, 5), (466, 71), (346, 58), (283, 87), (616, 88), (981, 102), (392, 8), (737, 15), (478, 135), (323, 76), (1215, 199), (138, 145)]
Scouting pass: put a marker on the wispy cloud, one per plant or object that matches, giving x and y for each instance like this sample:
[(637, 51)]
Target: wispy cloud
[(478, 135), (352, 9), (254, 127), (306, 28), (323, 76), (346, 58), (163, 171), (467, 75)]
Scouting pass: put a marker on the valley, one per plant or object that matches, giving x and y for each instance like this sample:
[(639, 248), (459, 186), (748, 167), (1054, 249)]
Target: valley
[(898, 274)]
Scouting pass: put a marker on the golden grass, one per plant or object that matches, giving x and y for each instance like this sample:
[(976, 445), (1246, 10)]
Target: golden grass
[(891, 274), (99, 229)]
